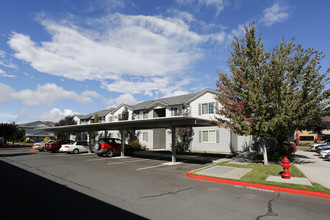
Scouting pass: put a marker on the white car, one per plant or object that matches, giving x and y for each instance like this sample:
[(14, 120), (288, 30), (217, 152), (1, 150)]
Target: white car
[(75, 148), (313, 146), (324, 153)]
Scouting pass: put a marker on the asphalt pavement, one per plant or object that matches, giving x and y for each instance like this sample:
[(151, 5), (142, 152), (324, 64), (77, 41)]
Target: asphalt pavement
[(42, 185)]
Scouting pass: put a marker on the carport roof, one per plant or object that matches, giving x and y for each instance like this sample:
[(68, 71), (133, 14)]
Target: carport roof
[(168, 122)]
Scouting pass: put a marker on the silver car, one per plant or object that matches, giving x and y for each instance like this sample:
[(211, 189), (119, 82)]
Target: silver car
[(40, 146)]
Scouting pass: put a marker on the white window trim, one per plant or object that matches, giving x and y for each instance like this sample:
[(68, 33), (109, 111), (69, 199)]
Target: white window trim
[(208, 137), (208, 108)]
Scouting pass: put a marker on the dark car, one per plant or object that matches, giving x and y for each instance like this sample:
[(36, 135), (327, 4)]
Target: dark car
[(110, 146), (55, 145)]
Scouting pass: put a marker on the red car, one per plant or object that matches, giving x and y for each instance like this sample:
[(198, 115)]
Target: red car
[(55, 145), (111, 146)]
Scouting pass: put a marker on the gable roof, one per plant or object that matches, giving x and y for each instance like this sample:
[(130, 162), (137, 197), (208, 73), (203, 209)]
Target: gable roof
[(169, 101), (35, 124), (100, 113), (173, 101), (119, 106)]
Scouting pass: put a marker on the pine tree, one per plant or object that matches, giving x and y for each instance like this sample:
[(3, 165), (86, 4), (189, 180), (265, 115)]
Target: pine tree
[(270, 94)]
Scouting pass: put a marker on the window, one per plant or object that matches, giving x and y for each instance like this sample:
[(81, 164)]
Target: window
[(208, 108), (142, 115), (307, 138), (208, 136), (177, 111), (143, 136)]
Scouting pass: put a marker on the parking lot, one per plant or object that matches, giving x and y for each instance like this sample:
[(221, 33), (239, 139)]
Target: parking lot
[(136, 187)]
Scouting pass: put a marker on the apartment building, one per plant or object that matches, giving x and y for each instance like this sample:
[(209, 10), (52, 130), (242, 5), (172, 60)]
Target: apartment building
[(200, 105)]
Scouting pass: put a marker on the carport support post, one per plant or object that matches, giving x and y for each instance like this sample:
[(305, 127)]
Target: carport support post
[(173, 144), (122, 153), (90, 141)]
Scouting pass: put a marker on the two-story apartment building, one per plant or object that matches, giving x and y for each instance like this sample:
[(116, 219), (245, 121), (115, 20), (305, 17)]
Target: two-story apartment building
[(202, 104)]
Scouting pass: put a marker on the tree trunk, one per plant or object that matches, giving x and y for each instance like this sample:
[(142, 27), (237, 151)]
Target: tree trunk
[(265, 153)]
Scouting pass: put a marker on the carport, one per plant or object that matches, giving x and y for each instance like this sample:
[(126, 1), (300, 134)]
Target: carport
[(141, 124)]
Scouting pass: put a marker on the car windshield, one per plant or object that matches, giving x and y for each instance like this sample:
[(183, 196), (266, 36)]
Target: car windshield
[(117, 141)]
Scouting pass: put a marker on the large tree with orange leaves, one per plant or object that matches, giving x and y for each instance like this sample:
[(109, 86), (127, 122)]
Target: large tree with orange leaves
[(270, 94)]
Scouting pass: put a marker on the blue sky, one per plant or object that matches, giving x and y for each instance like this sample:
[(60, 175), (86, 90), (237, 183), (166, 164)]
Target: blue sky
[(61, 57)]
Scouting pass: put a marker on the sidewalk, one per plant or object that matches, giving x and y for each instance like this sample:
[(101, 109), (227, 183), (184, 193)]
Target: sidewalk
[(315, 169)]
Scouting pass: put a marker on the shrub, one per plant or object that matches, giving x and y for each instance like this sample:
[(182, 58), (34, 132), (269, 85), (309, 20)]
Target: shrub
[(136, 145), (46, 138)]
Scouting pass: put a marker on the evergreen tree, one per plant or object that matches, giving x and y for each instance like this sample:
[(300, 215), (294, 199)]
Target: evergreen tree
[(270, 94), (68, 120)]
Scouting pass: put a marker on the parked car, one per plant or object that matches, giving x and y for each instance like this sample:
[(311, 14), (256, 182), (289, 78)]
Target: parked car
[(324, 153), (75, 148), (111, 146), (55, 145), (40, 145), (322, 147), (313, 146), (327, 157)]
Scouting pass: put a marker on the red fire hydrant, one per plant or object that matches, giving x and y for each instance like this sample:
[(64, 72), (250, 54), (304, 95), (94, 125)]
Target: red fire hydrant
[(286, 168)]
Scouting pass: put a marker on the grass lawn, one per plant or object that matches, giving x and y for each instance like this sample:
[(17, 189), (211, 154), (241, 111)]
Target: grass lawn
[(260, 173)]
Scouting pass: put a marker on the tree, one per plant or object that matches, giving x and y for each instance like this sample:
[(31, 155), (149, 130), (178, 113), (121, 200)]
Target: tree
[(18, 134), (124, 115), (270, 94), (68, 120), (184, 138), (96, 118), (11, 132)]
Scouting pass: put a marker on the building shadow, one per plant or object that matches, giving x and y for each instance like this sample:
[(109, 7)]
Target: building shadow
[(166, 156), (24, 195)]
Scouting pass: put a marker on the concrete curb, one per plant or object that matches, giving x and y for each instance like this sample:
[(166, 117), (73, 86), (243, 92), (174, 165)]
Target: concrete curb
[(261, 186)]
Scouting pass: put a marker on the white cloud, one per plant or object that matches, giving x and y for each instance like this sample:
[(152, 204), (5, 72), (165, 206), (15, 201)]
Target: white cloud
[(219, 5), (176, 93), (56, 114), (4, 74), (91, 94), (4, 62), (148, 86), (124, 98), (118, 47), (275, 14), (126, 45), (7, 93), (46, 94)]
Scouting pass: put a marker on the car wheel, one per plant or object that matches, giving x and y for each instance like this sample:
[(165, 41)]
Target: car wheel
[(109, 153), (75, 151)]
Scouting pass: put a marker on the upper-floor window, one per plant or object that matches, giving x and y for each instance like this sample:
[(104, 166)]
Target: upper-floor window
[(177, 111), (142, 115), (208, 108)]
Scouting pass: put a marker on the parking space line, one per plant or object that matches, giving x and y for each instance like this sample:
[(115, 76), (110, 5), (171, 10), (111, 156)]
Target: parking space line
[(163, 164), (98, 159), (130, 161), (144, 168)]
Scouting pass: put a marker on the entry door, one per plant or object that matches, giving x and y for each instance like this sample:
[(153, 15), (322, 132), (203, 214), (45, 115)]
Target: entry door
[(159, 138)]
